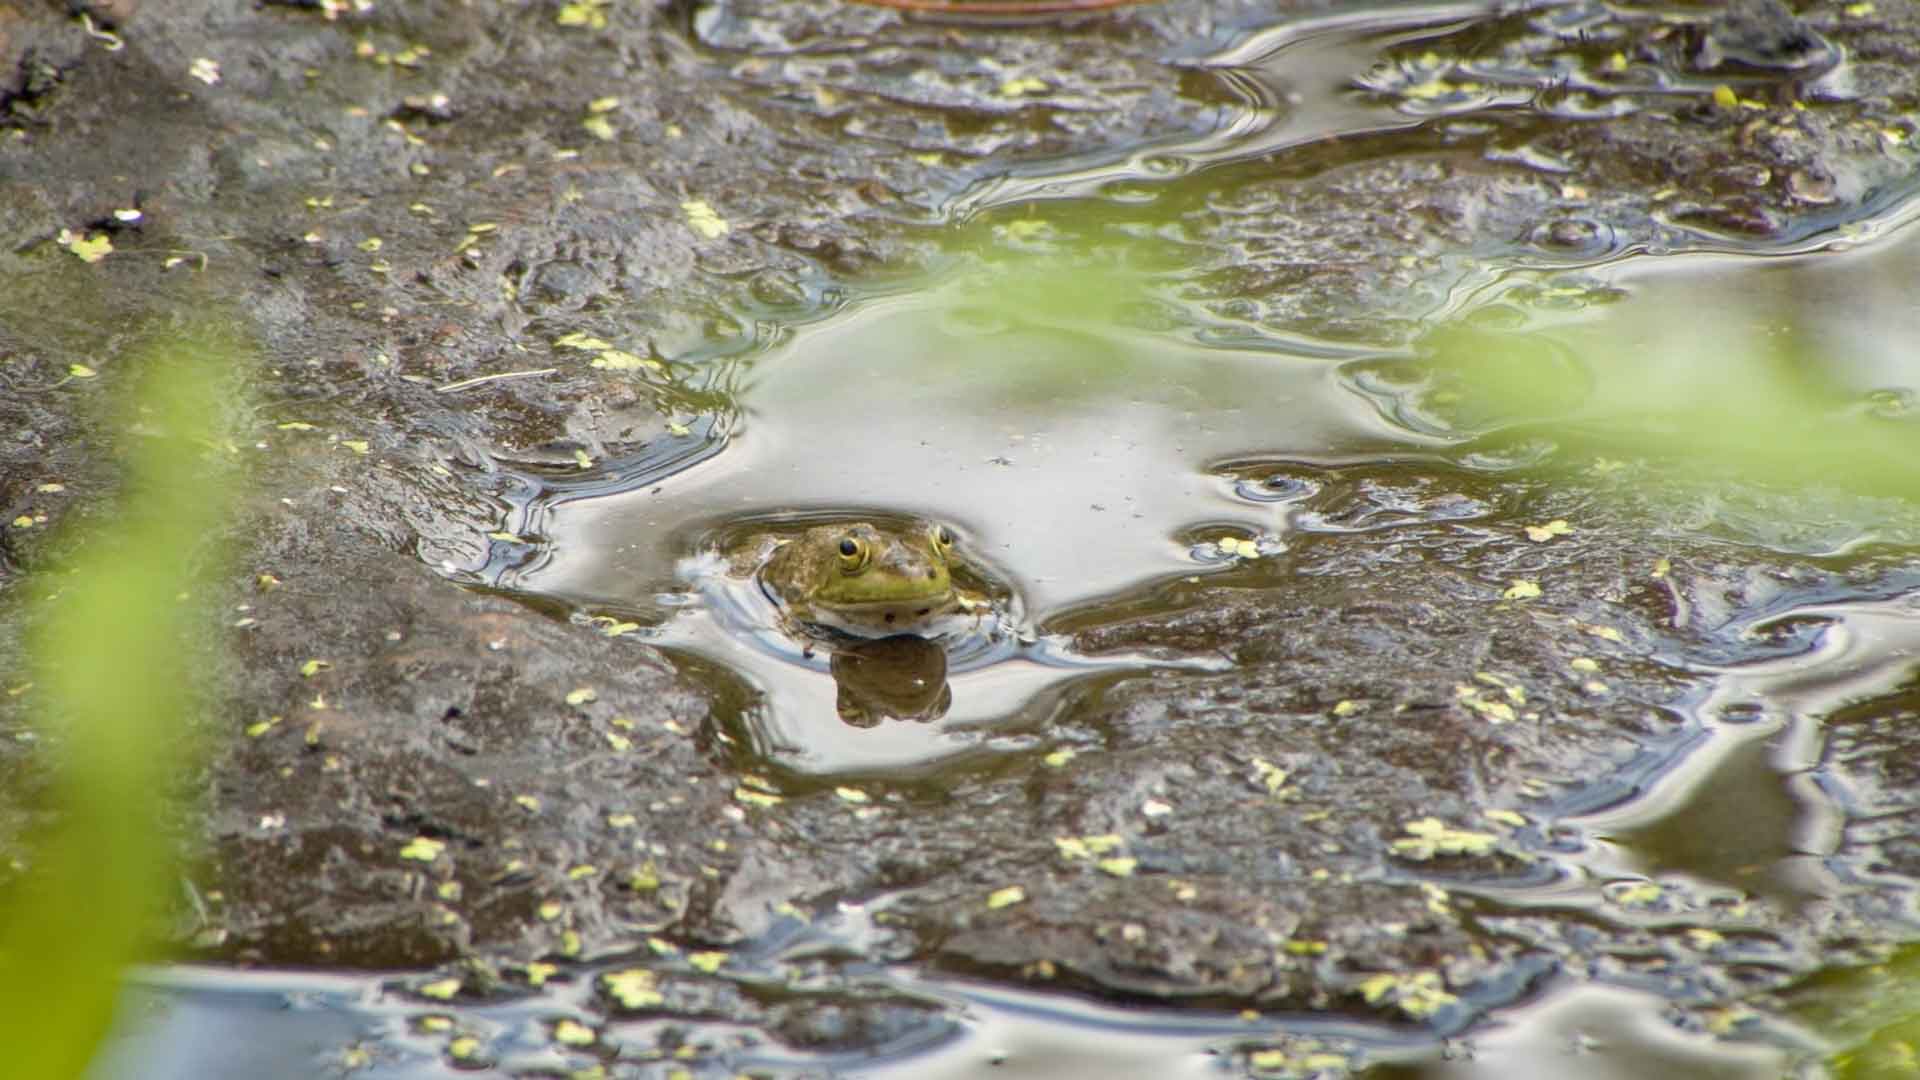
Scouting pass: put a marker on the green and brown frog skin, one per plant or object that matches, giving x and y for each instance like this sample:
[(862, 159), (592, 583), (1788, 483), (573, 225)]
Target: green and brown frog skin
[(866, 580)]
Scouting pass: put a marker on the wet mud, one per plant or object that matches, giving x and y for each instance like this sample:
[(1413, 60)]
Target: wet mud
[(1364, 709)]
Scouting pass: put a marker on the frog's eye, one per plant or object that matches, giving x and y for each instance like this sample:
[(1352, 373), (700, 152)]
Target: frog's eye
[(853, 553), (942, 539)]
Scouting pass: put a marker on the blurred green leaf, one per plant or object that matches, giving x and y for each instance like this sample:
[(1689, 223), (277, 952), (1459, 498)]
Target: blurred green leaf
[(114, 661)]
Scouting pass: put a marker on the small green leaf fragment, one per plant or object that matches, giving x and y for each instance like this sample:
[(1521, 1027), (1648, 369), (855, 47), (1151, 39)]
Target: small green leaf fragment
[(582, 696), (1521, 589), (756, 798), (708, 962), (81, 371), (358, 446), (634, 988), (314, 667), (573, 1033), (1007, 897), (1118, 866), (852, 795), (620, 360), (1540, 534), (1025, 84), (439, 989), (88, 248), (703, 219), (423, 849)]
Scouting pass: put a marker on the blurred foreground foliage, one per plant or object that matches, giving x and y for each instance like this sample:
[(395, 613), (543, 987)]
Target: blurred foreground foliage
[(113, 657)]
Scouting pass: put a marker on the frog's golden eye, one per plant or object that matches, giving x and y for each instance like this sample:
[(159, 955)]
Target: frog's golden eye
[(942, 539), (853, 553)]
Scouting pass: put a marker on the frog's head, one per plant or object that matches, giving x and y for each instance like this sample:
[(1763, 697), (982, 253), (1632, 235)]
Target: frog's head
[(862, 577)]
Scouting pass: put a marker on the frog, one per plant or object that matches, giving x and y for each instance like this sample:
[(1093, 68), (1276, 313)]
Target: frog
[(866, 580)]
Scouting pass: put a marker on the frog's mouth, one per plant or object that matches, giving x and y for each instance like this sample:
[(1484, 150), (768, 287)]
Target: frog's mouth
[(901, 613)]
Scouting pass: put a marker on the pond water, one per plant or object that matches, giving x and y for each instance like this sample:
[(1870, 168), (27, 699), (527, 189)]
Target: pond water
[(1111, 436)]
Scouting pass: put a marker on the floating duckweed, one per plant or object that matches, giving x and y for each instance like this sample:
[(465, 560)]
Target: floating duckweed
[(581, 459), (584, 870), (589, 14), (24, 521), (756, 798), (463, 1047), (434, 1023), (439, 989), (1058, 758), (634, 988), (1303, 947), (1007, 897), (1346, 707), (1272, 776), (358, 446), (371, 244), (550, 910), (423, 849), (261, 727), (707, 962), (81, 371), (582, 696), (583, 342), (703, 219), (1086, 847), (1498, 712), (1120, 866), (1604, 633), (618, 741), (1638, 894), (529, 803), (1505, 817), (294, 425), (620, 360), (852, 795), (1430, 836), (1662, 567), (1419, 994), (621, 821), (1701, 938), (1724, 96), (1540, 534), (313, 667), (88, 248), (599, 127), (1521, 589), (573, 1033), (1025, 84), (603, 104), (449, 891), (1584, 663)]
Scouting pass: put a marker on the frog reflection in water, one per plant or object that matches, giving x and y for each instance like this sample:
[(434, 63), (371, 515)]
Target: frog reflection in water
[(866, 581)]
